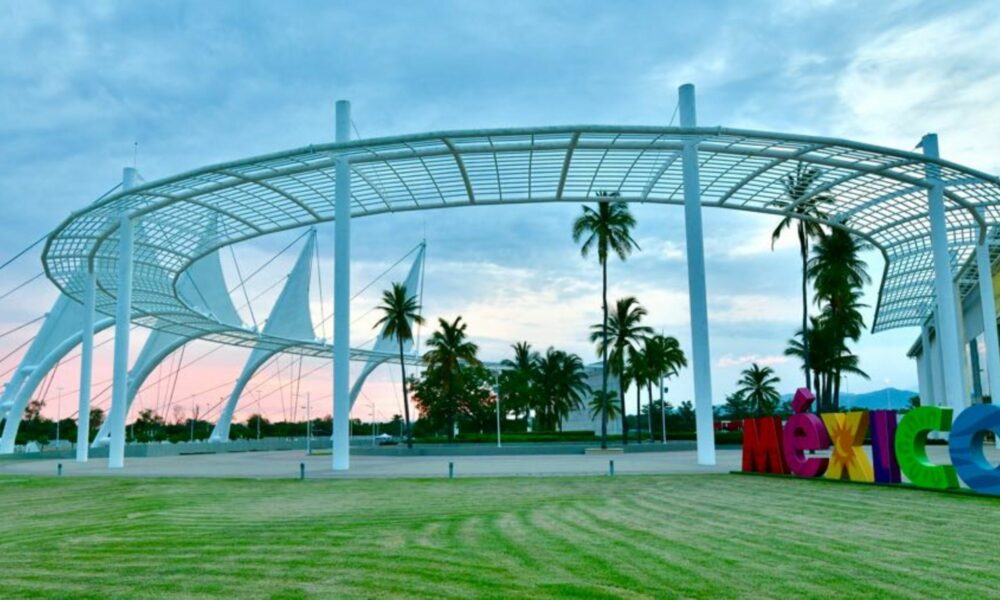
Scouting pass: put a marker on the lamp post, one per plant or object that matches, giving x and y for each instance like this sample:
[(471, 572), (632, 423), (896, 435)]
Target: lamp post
[(194, 411), (58, 413), (259, 415), (308, 425), (496, 390), (663, 411)]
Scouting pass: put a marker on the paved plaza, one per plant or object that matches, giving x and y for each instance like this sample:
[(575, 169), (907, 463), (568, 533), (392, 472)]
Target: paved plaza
[(277, 465), (286, 464)]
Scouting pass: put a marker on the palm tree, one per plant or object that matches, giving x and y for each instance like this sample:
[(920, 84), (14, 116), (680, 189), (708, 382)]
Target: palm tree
[(518, 379), (835, 265), (637, 373), (830, 358), (757, 387), (562, 385), (664, 358), (802, 208), (839, 275), (736, 406), (605, 229), (624, 332), (449, 348), (604, 403), (810, 346), (399, 311)]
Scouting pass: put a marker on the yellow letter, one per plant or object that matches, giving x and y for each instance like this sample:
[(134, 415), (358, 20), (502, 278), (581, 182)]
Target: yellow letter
[(848, 459)]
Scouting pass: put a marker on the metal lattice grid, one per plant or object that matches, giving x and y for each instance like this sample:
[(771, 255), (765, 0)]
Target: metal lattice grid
[(880, 195)]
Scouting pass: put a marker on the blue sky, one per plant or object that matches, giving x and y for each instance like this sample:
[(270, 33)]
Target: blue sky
[(202, 82)]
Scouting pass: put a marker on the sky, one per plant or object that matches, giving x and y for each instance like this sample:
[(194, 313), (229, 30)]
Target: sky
[(87, 88)]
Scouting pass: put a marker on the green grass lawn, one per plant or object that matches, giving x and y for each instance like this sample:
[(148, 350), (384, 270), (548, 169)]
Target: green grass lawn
[(636, 536)]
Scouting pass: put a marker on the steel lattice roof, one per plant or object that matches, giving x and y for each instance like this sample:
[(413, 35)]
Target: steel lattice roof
[(880, 195)]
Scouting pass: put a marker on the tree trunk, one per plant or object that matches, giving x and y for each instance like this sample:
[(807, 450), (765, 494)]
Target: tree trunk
[(604, 356), (818, 405), (406, 398), (836, 391), (649, 411), (621, 396), (451, 408), (804, 250), (638, 412), (663, 414), (828, 406)]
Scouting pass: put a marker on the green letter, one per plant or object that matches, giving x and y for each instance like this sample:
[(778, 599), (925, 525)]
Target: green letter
[(911, 451)]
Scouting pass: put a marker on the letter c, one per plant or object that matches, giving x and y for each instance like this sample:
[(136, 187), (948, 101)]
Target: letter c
[(966, 447), (911, 450)]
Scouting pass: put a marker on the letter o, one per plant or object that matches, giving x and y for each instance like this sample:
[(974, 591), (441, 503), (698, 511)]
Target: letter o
[(966, 447)]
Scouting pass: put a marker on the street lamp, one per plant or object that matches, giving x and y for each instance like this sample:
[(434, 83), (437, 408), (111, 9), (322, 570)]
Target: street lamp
[(194, 411), (496, 390), (58, 413), (309, 425), (663, 411), (259, 415)]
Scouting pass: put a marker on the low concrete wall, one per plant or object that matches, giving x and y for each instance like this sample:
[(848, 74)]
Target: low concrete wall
[(182, 448), (359, 446)]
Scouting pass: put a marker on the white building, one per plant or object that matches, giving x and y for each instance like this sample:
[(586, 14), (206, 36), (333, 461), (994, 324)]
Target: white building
[(580, 420)]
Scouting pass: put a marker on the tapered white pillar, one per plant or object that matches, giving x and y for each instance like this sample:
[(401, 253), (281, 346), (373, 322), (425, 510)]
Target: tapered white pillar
[(86, 368), (927, 366), (342, 298), (696, 284), (988, 302), (940, 397), (952, 350), (123, 318)]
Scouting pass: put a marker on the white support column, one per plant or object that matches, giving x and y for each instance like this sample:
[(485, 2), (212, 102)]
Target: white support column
[(927, 366), (940, 392), (86, 368), (701, 355), (123, 323), (952, 350), (342, 298), (988, 302)]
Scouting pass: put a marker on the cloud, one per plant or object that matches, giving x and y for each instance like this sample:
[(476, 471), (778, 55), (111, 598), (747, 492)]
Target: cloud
[(756, 308), (747, 359), (80, 83), (662, 250), (940, 75), (753, 241)]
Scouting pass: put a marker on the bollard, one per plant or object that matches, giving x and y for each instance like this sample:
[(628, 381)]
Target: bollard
[(451, 470), (59, 470), (302, 471), (611, 468)]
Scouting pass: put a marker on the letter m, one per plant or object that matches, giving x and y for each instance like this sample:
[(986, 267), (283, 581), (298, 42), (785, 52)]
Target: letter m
[(762, 452)]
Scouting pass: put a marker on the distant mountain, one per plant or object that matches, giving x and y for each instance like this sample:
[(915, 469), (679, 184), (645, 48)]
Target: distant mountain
[(884, 398)]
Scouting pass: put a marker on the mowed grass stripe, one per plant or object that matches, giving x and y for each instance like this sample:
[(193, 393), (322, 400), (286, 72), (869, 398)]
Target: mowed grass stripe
[(830, 547), (629, 536)]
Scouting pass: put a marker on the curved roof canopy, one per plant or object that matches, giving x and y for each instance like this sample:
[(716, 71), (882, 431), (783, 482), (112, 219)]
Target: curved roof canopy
[(880, 194)]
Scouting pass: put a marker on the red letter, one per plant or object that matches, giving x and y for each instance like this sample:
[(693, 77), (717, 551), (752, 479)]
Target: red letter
[(762, 452)]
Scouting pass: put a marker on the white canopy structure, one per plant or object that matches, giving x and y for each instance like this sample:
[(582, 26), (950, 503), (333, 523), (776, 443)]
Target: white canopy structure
[(927, 217), (290, 319), (204, 288), (387, 347), (61, 331)]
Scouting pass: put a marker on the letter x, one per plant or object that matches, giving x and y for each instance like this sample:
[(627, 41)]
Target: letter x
[(848, 459)]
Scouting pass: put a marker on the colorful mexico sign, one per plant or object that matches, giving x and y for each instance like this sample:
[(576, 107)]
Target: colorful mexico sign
[(898, 448)]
